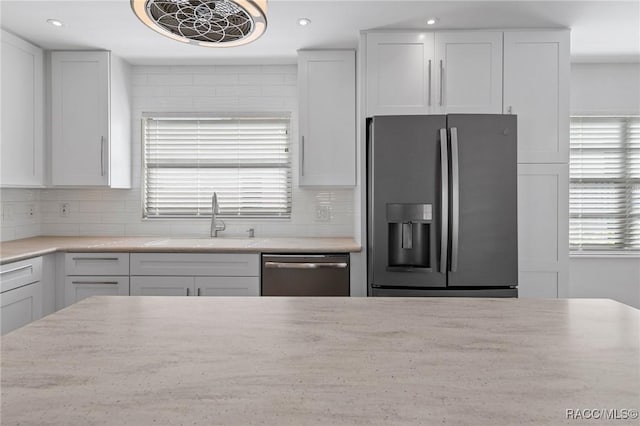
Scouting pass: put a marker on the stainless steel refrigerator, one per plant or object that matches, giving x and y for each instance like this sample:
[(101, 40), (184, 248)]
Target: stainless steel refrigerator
[(442, 205)]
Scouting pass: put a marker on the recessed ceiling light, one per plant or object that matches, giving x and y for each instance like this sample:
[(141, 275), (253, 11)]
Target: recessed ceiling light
[(54, 22), (432, 21), (304, 21)]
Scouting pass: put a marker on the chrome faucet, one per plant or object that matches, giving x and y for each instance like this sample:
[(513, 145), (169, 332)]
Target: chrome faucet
[(215, 211)]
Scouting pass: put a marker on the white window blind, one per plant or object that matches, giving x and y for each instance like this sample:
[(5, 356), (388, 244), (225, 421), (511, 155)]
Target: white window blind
[(246, 161), (604, 197)]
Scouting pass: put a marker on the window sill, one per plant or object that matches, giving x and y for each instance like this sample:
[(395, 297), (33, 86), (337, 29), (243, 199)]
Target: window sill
[(604, 254)]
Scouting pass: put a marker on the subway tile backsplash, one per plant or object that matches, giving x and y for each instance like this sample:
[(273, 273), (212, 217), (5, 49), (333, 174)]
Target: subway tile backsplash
[(223, 89)]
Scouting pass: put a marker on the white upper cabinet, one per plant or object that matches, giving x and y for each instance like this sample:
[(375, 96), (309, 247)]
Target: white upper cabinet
[(400, 73), (327, 108), (536, 88), (22, 128), (434, 73), (468, 72), (90, 120)]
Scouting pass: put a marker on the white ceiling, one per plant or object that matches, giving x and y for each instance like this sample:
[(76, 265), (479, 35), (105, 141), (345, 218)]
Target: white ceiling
[(601, 31)]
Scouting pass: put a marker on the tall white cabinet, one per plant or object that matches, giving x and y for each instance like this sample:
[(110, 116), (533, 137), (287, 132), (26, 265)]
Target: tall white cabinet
[(536, 88), (22, 130), (327, 100), (522, 72), (90, 120)]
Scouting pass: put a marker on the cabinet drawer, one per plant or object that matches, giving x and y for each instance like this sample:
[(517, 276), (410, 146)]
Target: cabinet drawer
[(195, 264), (20, 306), (96, 264), (18, 274), (78, 287)]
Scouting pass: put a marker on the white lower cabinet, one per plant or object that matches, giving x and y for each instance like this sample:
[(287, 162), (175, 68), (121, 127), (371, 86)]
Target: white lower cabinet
[(95, 274), (21, 306), (21, 296), (195, 274)]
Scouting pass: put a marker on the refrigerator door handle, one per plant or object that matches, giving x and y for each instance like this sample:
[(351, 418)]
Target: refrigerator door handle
[(455, 199), (444, 202)]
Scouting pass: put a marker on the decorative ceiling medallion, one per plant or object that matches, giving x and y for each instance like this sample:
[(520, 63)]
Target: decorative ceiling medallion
[(211, 23)]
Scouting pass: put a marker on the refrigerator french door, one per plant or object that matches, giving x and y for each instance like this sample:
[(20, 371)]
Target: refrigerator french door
[(442, 205)]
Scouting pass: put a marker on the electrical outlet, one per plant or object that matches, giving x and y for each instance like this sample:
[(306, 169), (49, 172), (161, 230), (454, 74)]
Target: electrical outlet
[(64, 209), (31, 210), (323, 213)]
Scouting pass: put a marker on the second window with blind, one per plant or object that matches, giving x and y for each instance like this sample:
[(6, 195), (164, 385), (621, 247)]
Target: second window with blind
[(604, 191), (245, 160)]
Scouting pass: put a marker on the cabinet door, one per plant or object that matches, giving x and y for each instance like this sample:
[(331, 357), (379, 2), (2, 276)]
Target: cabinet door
[(20, 306), (162, 286), (536, 89), (228, 286), (399, 73), (327, 96), (80, 118), (468, 72), (79, 287), (22, 113), (543, 230)]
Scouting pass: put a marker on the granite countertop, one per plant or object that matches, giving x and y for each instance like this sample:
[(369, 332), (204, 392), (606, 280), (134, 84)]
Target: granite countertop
[(321, 361), (12, 251)]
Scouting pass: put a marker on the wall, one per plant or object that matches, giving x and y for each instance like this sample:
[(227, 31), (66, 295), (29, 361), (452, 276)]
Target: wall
[(192, 89), (605, 89)]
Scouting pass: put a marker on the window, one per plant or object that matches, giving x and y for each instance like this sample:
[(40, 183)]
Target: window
[(604, 191), (246, 161)]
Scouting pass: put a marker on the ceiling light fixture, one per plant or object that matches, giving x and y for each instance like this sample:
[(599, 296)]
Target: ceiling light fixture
[(54, 22), (304, 22), (432, 21), (209, 23)]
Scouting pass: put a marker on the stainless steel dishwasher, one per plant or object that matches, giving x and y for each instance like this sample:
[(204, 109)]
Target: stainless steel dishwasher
[(305, 275)]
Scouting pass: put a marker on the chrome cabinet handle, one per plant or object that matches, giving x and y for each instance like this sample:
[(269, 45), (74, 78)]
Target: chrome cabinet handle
[(113, 259), (441, 80), (429, 101), (20, 268), (302, 160), (101, 155), (285, 265), (455, 199), (444, 201), (95, 282)]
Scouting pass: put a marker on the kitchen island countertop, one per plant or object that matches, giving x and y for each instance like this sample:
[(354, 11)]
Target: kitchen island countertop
[(15, 250), (321, 361)]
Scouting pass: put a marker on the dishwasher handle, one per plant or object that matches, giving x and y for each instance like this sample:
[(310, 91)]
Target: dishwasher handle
[(305, 265)]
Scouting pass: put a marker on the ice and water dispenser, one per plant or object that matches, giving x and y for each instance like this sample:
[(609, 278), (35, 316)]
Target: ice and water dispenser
[(409, 236)]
